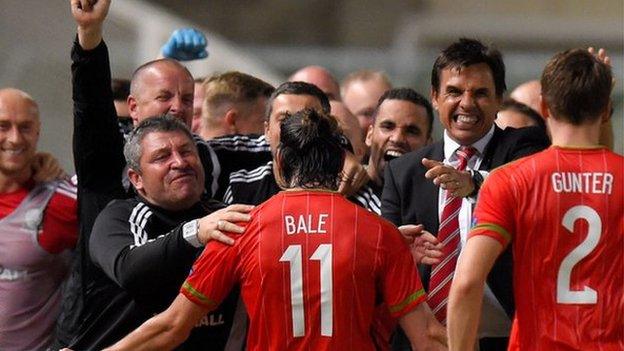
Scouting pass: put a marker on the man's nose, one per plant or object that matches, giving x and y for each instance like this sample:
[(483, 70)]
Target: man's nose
[(14, 136), (176, 105), (398, 136), (467, 100), (179, 160)]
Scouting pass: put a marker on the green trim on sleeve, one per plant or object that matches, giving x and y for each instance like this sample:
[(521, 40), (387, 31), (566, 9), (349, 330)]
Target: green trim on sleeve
[(199, 296), (493, 228), (401, 305)]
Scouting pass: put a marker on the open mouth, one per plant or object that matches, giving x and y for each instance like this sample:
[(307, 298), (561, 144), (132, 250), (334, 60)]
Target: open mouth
[(466, 120), (392, 154)]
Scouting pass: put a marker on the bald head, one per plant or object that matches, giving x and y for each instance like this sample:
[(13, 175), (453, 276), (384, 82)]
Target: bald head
[(320, 77), (350, 127), (361, 91), (528, 93), (18, 101), (161, 87), (19, 134)]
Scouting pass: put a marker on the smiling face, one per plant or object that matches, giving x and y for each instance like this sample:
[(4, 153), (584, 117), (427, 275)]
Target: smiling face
[(19, 132), (466, 102), (400, 127), (162, 88), (171, 174)]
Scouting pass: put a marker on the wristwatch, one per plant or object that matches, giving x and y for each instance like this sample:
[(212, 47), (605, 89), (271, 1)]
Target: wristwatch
[(190, 233), (477, 181)]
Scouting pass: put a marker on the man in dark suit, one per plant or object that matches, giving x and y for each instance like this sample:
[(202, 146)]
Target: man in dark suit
[(437, 186)]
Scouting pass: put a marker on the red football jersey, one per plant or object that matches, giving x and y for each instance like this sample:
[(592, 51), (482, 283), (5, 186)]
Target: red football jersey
[(563, 211), (312, 267), (59, 227)]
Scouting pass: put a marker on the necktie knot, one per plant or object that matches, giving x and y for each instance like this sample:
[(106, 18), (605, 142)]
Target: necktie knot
[(464, 154)]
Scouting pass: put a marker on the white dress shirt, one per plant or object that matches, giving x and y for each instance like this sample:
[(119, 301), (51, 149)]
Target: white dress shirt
[(494, 320)]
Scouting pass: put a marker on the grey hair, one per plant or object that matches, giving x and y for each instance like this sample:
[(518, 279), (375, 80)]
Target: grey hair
[(160, 123)]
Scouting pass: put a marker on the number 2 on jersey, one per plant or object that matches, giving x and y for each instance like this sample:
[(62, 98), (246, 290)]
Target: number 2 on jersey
[(323, 254), (587, 295)]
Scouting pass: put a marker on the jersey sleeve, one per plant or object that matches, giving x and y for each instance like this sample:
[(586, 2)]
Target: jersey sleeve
[(213, 275), (60, 222), (494, 212), (400, 283)]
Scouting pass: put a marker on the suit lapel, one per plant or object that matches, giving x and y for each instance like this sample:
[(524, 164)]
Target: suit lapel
[(490, 149), (430, 193)]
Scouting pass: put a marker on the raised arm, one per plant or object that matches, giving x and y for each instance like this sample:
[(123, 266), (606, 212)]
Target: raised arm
[(185, 44), (97, 142), (90, 17)]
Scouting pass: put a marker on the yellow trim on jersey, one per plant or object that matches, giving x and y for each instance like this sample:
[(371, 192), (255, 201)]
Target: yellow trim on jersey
[(493, 228), (201, 297), (413, 297)]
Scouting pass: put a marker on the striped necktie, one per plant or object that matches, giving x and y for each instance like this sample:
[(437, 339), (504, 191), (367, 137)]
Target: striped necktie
[(448, 234)]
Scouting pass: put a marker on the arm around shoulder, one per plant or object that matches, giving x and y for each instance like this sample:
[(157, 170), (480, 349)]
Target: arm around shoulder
[(122, 250)]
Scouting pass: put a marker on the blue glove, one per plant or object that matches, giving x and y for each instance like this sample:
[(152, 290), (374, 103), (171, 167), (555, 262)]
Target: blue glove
[(186, 44)]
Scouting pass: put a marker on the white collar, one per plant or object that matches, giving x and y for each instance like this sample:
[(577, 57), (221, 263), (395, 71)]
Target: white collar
[(450, 145)]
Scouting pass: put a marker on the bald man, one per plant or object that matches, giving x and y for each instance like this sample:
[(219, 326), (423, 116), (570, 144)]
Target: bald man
[(350, 128), (158, 87), (528, 93), (361, 91), (38, 225), (320, 77)]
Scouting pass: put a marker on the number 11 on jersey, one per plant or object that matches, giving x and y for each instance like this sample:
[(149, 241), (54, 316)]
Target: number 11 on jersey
[(323, 254)]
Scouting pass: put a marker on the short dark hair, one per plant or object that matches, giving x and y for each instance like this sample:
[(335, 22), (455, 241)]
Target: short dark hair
[(310, 150), (468, 52), (298, 88), (514, 105), (120, 88), (409, 95), (161, 123), (576, 86)]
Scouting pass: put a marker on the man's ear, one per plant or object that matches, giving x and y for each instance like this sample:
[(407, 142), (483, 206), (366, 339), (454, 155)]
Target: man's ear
[(136, 180), (369, 136), (606, 116), (433, 96), (543, 108), (133, 109), (230, 120)]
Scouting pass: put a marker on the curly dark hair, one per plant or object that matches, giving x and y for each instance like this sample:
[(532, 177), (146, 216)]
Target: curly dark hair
[(310, 151)]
